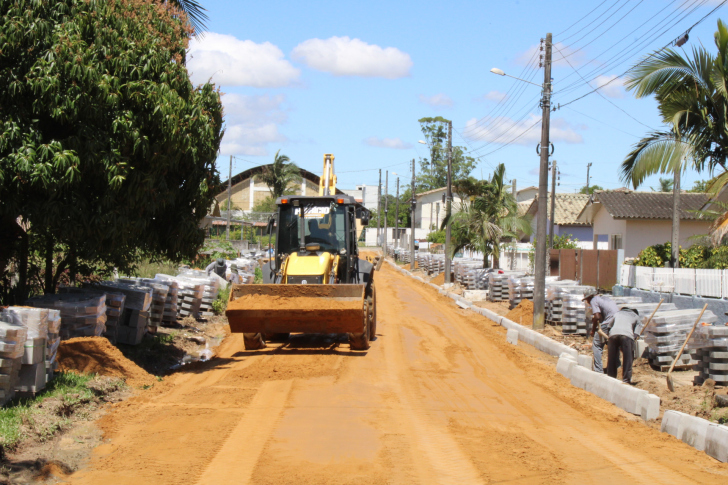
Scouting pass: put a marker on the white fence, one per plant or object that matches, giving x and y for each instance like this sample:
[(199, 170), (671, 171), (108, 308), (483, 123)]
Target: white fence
[(699, 282)]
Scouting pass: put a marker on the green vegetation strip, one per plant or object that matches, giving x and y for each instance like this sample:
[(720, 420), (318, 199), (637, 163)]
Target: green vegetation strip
[(27, 417)]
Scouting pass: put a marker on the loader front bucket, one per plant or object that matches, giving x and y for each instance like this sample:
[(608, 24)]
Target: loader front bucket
[(296, 308)]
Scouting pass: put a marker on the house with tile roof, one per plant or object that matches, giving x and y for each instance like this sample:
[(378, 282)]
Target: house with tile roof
[(635, 220), (567, 209)]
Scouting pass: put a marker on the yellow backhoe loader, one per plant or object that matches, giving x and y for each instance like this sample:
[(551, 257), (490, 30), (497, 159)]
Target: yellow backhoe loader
[(315, 281)]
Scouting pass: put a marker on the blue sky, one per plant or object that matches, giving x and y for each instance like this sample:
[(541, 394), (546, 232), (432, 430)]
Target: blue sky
[(352, 79)]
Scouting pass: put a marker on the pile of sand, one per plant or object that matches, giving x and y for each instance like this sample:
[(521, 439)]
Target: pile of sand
[(438, 280), (96, 355), (523, 313)]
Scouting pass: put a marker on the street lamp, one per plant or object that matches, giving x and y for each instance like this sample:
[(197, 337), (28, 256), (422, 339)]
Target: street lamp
[(539, 283)]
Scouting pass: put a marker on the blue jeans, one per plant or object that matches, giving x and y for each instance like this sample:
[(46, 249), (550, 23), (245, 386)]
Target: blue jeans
[(598, 349)]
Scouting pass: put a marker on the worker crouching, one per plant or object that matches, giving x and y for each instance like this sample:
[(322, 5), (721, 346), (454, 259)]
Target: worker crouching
[(621, 338)]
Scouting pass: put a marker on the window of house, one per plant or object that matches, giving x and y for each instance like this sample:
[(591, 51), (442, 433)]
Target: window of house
[(615, 241)]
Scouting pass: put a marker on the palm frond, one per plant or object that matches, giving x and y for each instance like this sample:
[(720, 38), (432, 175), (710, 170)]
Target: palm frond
[(196, 14)]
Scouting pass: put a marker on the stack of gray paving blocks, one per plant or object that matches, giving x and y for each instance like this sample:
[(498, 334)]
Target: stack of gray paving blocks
[(12, 348), (519, 288), (135, 317), (159, 298), (667, 332), (82, 315), (114, 308), (190, 295), (32, 375), (709, 348), (497, 287)]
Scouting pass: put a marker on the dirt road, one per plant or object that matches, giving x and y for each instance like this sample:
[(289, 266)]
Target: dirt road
[(440, 398)]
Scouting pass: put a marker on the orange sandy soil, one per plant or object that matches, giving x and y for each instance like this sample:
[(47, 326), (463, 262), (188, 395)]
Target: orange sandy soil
[(440, 398)]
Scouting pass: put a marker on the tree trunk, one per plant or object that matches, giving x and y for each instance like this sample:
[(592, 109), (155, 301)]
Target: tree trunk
[(22, 290), (49, 289)]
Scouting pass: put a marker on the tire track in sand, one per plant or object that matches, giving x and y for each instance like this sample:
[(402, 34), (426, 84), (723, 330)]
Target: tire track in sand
[(236, 460)]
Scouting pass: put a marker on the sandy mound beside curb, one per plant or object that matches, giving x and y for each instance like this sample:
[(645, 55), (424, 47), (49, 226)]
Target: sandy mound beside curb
[(95, 355), (523, 313)]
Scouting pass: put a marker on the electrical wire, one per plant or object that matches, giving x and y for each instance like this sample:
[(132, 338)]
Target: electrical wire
[(602, 122), (645, 59), (585, 16)]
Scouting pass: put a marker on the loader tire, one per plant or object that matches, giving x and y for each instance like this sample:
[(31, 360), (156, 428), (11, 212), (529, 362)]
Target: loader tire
[(253, 341), (277, 337), (372, 300), (360, 341)]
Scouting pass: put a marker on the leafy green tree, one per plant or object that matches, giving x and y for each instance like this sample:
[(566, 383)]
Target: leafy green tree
[(433, 170), (485, 219), (107, 151), (266, 205), (279, 175), (700, 186), (591, 190), (666, 185)]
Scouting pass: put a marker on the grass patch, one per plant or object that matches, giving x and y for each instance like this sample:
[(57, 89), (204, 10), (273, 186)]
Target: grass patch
[(220, 303), (148, 269), (42, 416)]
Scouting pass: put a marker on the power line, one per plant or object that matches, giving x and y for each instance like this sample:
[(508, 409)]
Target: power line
[(585, 16), (645, 59), (602, 122), (514, 139)]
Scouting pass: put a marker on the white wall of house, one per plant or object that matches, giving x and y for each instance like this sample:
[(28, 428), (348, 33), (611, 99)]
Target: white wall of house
[(638, 234), (644, 233), (431, 210)]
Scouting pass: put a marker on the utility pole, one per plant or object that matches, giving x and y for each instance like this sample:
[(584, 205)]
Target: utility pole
[(379, 203), (554, 171), (515, 198), (675, 246), (386, 210), (396, 219), (412, 220), (230, 177), (449, 201), (588, 166), (539, 284)]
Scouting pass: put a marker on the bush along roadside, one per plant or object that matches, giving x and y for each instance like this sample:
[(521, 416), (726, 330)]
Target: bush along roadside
[(69, 397), (696, 256)]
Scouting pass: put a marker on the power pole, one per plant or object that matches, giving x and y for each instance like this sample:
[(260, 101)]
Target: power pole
[(588, 166), (396, 219), (412, 220), (386, 210), (675, 256), (539, 283), (230, 190), (554, 170), (379, 203), (449, 201), (513, 253)]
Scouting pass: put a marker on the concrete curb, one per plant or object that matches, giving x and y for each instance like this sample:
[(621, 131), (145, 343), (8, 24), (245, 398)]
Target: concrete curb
[(699, 433), (577, 368)]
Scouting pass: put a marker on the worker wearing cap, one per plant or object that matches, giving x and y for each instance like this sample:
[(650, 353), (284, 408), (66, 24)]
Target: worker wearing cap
[(219, 267), (621, 337), (603, 311), (234, 275)]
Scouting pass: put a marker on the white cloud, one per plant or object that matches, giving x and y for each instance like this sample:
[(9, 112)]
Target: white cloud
[(342, 56), (234, 62), (560, 53), (395, 143), (437, 101), (495, 96), (251, 123), (526, 132), (613, 86)]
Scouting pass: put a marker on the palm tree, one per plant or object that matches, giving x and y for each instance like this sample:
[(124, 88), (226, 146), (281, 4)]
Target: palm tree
[(485, 220), (665, 185), (195, 13), (279, 175), (692, 93)]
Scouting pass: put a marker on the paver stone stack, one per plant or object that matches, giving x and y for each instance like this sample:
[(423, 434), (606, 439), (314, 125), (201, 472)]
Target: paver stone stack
[(82, 315), (33, 374), (667, 332), (137, 305), (709, 348), (12, 349), (114, 308)]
